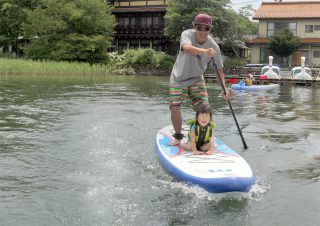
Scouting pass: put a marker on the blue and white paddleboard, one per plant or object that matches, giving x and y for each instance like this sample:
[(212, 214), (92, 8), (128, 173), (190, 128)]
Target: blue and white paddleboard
[(254, 87), (223, 171)]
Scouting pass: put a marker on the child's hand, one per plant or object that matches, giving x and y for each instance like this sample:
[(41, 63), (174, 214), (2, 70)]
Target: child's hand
[(197, 152), (209, 152)]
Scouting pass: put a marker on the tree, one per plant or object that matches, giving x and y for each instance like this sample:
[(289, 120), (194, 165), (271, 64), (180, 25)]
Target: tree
[(246, 11), (180, 13), (70, 30), (283, 43), (228, 26), (12, 15), (233, 27)]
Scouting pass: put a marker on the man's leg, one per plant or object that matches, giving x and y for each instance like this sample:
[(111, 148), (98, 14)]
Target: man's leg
[(176, 119), (198, 94)]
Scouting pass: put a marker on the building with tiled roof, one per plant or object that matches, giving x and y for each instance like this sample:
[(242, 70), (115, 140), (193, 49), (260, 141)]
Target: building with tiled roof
[(301, 18)]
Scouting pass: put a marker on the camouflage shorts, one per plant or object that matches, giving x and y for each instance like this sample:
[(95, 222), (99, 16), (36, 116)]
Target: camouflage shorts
[(196, 92)]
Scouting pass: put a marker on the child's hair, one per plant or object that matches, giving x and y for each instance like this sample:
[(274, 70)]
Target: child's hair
[(204, 109)]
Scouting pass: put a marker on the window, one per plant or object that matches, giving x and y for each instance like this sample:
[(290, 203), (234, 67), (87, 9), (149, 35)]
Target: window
[(305, 53), (134, 44), (133, 21), (316, 54), (280, 26), (270, 29), (120, 20), (292, 26), (126, 21), (149, 21), (309, 28), (264, 54), (143, 21), (156, 20), (317, 27), (123, 21)]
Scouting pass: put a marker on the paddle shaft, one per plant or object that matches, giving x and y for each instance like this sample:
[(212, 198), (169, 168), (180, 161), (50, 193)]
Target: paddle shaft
[(230, 106)]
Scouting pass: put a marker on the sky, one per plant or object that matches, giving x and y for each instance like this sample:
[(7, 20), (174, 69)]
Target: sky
[(236, 4)]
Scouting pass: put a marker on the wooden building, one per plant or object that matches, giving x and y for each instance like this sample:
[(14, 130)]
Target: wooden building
[(141, 25)]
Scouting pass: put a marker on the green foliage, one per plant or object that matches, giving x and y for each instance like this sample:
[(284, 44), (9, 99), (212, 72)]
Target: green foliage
[(78, 47), (31, 67), (147, 58), (233, 62), (180, 13), (115, 57), (38, 51), (4, 40), (246, 11), (12, 15), (164, 61), (11, 18), (70, 31), (233, 27), (140, 57), (228, 26), (283, 43), (227, 46)]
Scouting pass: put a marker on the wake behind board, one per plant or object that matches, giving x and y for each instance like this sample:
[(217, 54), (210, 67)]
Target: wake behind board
[(223, 171)]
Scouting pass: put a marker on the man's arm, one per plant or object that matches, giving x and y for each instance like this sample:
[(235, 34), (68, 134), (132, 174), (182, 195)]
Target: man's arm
[(190, 49)]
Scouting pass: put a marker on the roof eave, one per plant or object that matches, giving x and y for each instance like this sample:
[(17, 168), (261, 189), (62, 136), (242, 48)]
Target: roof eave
[(283, 18), (139, 9)]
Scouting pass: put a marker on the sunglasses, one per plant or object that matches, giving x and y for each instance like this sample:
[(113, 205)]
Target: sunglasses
[(202, 28)]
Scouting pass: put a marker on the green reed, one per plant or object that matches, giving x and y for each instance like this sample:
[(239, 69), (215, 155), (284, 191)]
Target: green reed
[(30, 67)]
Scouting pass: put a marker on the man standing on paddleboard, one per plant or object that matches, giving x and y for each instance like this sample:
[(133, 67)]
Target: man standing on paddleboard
[(197, 49)]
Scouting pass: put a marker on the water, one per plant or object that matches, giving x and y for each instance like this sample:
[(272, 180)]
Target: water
[(79, 151)]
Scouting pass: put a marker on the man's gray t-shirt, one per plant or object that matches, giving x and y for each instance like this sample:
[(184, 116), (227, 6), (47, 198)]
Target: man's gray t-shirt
[(188, 69)]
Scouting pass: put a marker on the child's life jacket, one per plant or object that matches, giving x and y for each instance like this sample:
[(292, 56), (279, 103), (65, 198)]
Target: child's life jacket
[(203, 134)]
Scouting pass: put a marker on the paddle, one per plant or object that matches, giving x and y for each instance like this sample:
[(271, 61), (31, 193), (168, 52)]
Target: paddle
[(213, 64)]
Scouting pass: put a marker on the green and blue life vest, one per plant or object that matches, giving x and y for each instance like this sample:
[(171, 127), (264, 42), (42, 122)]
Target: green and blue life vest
[(203, 134)]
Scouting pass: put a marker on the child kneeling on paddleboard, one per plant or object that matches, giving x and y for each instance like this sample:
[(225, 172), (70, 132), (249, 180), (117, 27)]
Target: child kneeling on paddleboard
[(201, 138)]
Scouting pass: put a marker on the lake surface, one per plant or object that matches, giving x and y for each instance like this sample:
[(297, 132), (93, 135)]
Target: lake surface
[(80, 151)]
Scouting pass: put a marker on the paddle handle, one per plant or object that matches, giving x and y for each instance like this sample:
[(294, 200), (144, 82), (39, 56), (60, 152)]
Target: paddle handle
[(214, 65)]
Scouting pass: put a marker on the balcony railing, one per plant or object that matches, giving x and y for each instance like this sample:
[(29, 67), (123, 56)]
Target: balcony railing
[(140, 30)]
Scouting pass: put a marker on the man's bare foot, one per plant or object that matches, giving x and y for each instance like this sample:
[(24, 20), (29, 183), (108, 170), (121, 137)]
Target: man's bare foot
[(174, 142)]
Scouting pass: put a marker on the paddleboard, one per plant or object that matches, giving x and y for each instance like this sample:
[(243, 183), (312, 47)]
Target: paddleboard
[(254, 87), (223, 171)]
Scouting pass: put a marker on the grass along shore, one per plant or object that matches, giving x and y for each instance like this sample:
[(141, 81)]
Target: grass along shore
[(11, 66)]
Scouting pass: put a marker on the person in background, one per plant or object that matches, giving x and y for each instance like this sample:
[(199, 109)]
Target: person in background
[(201, 137), (249, 81), (197, 49)]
